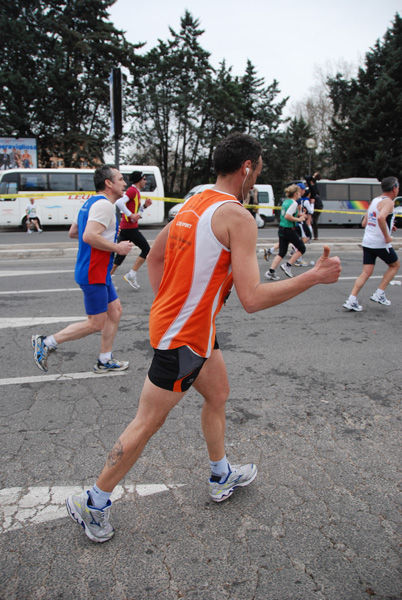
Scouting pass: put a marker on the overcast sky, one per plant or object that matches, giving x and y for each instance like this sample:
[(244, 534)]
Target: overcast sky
[(285, 40)]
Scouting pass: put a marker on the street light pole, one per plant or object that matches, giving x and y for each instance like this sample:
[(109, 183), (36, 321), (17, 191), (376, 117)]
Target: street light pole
[(310, 144)]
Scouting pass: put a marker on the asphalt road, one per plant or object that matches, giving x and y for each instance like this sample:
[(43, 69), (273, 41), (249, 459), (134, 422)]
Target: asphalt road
[(53, 235), (315, 402)]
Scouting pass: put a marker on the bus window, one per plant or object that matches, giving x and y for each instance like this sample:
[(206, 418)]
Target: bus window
[(9, 185), (338, 191), (33, 182), (61, 182), (127, 179), (85, 182), (360, 192), (151, 183), (375, 191)]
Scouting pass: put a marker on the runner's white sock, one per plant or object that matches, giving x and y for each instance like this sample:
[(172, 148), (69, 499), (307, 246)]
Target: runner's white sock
[(98, 498), (133, 274), (50, 341), (105, 356), (220, 468)]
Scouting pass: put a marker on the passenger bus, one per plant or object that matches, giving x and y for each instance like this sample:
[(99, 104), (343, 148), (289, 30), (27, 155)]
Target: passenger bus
[(346, 200), (60, 193)]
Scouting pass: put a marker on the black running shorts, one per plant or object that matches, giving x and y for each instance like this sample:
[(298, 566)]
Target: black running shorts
[(177, 369), (288, 235), (388, 255)]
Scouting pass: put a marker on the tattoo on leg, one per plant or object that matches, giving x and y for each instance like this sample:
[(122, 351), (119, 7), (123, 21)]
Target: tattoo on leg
[(115, 454)]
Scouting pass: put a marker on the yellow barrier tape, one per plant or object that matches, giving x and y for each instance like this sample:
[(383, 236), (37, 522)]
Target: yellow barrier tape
[(37, 195)]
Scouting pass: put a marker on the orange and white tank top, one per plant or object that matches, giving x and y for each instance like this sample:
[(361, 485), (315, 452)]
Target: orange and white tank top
[(196, 280)]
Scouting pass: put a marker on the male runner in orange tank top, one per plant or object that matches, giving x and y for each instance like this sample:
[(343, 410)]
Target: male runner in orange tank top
[(193, 262)]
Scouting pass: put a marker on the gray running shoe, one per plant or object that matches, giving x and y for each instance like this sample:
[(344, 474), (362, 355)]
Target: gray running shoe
[(239, 476), (287, 270), (111, 365), (380, 298), (95, 521), (352, 305), (132, 281), (41, 352), (300, 263), (272, 276)]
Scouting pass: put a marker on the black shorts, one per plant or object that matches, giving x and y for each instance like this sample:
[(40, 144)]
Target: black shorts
[(303, 230), (388, 255), (132, 235), (288, 235), (177, 369)]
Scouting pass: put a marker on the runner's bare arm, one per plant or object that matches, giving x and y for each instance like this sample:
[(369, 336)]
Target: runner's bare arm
[(242, 239), (156, 259), (92, 236), (73, 231)]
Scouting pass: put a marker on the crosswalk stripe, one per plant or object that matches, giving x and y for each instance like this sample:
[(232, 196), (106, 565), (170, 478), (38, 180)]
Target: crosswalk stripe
[(58, 377), (36, 505)]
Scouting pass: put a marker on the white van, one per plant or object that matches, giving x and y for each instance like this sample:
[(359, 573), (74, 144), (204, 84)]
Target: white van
[(60, 193), (265, 199)]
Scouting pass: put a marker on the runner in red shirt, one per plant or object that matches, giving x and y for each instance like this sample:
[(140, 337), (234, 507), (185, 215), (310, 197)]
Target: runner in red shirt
[(131, 209)]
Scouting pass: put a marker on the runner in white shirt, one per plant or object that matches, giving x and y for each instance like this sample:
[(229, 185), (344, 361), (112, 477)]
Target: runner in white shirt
[(32, 216), (377, 242)]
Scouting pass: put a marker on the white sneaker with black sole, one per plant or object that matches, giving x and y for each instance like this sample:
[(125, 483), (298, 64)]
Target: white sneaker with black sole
[(111, 365), (381, 299), (132, 281), (272, 276), (352, 305), (287, 270)]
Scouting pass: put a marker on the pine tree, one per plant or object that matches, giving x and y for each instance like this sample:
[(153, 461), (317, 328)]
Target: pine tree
[(368, 113), (56, 59)]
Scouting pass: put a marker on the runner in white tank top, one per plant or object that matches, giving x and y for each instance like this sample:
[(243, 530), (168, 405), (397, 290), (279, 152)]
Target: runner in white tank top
[(373, 236), (377, 243)]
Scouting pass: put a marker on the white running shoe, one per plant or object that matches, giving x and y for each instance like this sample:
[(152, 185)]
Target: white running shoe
[(272, 276), (239, 476), (352, 305), (300, 263), (95, 521), (287, 270), (41, 351), (380, 298), (111, 365), (132, 281)]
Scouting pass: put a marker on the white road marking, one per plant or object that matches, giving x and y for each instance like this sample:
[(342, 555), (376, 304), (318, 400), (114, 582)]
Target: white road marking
[(372, 277), (19, 507), (58, 377), (32, 272), (34, 321), (41, 291)]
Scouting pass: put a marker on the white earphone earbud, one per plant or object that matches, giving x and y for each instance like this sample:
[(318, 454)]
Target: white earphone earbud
[(247, 170)]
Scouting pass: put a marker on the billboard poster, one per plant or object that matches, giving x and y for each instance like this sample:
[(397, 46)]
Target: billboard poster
[(18, 153)]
